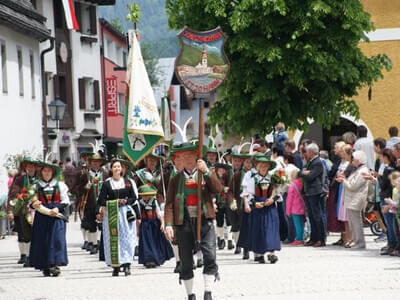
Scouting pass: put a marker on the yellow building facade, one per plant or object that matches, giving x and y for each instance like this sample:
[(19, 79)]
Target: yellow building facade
[(383, 110)]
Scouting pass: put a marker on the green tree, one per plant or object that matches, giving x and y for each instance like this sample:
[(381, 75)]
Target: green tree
[(290, 60)]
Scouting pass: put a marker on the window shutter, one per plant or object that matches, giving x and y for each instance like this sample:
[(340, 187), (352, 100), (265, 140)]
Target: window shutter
[(78, 14), (96, 93), (56, 86), (82, 100), (93, 19)]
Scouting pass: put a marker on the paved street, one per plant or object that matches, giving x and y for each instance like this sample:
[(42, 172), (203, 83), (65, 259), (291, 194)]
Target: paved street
[(301, 273)]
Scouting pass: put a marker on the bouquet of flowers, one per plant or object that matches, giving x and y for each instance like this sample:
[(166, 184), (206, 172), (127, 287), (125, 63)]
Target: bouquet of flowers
[(279, 177), (22, 200)]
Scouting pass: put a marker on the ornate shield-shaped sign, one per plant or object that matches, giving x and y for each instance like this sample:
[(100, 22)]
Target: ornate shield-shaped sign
[(202, 65)]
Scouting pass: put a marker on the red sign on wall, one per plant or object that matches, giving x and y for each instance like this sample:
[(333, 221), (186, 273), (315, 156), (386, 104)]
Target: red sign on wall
[(111, 94)]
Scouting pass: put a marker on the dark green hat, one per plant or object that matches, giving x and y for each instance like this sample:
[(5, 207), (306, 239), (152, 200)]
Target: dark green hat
[(29, 160), (57, 169), (262, 158), (147, 190), (98, 156), (222, 165), (184, 147), (86, 153), (124, 161)]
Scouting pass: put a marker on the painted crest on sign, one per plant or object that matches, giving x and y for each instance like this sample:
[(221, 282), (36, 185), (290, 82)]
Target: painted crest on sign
[(202, 65)]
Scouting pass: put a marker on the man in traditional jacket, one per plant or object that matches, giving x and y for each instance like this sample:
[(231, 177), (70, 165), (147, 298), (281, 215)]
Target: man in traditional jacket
[(181, 212), (234, 195), (90, 184), (21, 213)]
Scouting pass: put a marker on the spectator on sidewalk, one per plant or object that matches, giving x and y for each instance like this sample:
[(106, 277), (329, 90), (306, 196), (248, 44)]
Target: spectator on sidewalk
[(355, 197), (394, 139), (366, 145), (312, 176)]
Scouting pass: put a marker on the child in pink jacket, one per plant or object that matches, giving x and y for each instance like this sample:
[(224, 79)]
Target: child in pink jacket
[(295, 206)]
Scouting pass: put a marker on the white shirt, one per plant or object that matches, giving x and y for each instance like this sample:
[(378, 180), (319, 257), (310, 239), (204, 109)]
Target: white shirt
[(367, 146), (392, 141)]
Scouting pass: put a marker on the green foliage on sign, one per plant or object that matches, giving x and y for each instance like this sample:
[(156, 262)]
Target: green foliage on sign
[(291, 60), (192, 56)]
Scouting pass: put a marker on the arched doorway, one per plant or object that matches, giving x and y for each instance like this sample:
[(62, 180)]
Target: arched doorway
[(326, 138)]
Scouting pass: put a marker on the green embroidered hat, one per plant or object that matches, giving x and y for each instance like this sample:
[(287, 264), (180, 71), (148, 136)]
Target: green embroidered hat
[(262, 158), (29, 160), (147, 190), (124, 161), (47, 163)]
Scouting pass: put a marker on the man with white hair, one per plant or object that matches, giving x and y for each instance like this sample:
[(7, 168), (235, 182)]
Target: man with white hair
[(312, 176)]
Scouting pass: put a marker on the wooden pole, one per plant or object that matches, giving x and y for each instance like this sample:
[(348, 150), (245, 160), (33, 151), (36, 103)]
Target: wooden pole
[(199, 175)]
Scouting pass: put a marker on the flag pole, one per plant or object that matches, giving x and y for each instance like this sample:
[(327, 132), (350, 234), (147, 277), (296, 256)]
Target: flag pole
[(200, 177)]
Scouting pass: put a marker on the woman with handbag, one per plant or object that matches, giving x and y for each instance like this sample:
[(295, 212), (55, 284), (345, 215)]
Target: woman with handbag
[(118, 209), (355, 196)]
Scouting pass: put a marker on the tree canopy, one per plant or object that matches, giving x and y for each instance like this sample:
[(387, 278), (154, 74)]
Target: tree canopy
[(291, 60)]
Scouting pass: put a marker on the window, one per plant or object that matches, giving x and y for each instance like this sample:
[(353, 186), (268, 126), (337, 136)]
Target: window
[(89, 94), (87, 18), (3, 56), (32, 64), (20, 71), (118, 52), (124, 58), (121, 103)]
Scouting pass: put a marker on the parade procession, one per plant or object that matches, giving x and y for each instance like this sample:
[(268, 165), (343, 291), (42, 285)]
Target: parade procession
[(192, 149)]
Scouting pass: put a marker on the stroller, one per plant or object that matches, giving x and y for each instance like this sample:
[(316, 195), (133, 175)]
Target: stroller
[(370, 219)]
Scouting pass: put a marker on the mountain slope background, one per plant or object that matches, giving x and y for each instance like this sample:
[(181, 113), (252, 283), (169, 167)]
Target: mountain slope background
[(153, 24)]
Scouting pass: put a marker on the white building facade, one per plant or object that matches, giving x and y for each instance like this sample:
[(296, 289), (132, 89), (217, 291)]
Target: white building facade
[(20, 78), (73, 75)]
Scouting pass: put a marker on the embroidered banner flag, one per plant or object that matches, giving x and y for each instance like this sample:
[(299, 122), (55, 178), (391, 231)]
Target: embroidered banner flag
[(113, 226), (142, 125), (70, 17)]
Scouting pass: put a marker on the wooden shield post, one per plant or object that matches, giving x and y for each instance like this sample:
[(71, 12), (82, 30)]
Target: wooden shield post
[(201, 67)]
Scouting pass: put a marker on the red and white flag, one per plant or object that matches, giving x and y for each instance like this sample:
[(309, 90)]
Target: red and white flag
[(70, 16)]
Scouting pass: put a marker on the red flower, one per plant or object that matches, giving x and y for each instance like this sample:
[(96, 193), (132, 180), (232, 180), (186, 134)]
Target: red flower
[(24, 190), (128, 185), (281, 172), (95, 180)]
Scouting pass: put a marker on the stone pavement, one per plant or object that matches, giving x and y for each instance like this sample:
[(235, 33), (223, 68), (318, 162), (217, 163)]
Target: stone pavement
[(301, 273)]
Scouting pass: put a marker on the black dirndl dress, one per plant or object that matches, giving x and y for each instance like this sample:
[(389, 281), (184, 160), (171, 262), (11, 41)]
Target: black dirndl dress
[(48, 246), (264, 235), (153, 245)]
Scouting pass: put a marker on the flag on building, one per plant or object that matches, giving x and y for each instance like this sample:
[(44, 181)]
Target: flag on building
[(142, 124), (70, 17), (166, 118)]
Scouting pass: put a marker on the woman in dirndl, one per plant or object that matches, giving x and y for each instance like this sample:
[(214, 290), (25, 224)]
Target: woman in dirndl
[(118, 209), (48, 249), (261, 203)]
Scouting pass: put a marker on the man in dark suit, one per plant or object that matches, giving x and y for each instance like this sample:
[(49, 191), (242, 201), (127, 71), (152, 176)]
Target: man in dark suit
[(315, 195)]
